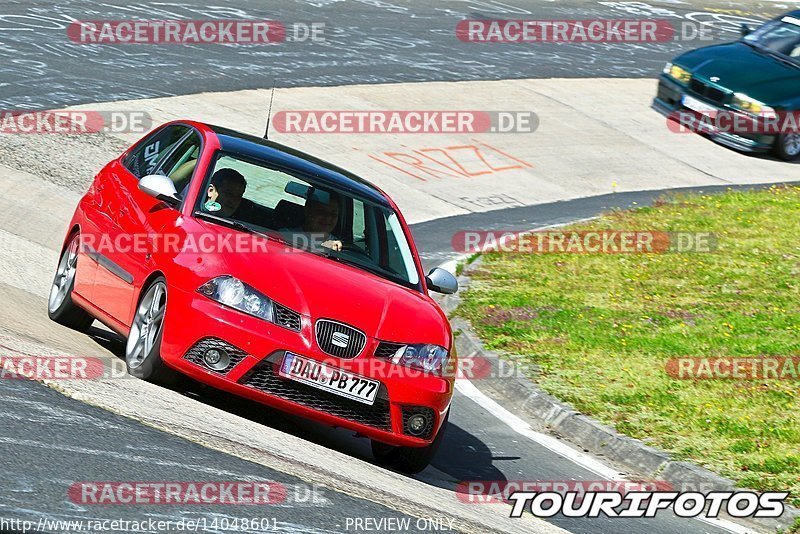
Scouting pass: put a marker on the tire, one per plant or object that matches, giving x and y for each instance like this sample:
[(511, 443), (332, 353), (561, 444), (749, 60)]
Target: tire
[(408, 460), (60, 306), (143, 348), (787, 146)]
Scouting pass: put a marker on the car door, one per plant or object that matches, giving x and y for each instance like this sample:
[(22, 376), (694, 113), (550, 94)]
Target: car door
[(98, 206), (123, 253), (151, 219)]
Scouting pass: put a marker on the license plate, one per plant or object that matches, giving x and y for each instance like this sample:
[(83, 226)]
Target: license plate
[(698, 106), (329, 378)]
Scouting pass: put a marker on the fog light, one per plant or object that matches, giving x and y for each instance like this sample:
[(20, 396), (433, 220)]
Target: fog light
[(417, 424), (216, 359)]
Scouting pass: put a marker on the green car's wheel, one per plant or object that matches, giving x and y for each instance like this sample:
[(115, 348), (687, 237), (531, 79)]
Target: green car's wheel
[(787, 146)]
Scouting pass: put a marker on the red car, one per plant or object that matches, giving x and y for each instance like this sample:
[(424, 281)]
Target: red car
[(265, 272)]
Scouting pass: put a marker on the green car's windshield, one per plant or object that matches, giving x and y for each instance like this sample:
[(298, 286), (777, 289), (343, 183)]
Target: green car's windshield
[(307, 215), (781, 36)]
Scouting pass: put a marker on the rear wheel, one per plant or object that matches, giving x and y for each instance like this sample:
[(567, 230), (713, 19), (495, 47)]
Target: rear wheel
[(787, 146), (143, 349), (60, 307), (409, 460)]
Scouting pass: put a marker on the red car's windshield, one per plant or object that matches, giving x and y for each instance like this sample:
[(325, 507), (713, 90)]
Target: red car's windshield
[(309, 216)]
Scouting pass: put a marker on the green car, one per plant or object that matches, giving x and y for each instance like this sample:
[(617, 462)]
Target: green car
[(757, 77)]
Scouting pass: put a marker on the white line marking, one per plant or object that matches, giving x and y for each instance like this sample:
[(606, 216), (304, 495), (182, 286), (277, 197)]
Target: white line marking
[(468, 389)]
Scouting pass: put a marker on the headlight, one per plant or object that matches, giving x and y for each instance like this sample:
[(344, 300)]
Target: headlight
[(430, 358), (679, 73), (236, 294), (754, 107)]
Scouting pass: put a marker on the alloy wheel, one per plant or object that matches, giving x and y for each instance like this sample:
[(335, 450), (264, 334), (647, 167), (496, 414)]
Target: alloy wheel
[(147, 325), (65, 274), (791, 144)]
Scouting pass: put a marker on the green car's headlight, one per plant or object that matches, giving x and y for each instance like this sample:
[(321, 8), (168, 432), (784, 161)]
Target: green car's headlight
[(429, 358), (236, 294), (678, 73), (750, 105)]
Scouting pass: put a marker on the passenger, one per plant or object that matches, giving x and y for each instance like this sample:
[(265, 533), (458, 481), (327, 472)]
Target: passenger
[(319, 220)]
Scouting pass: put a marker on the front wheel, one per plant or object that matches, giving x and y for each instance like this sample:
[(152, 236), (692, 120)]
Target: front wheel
[(409, 460), (787, 146), (143, 349), (60, 307)]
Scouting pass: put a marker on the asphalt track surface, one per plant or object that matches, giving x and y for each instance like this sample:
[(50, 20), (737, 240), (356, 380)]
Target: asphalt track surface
[(49, 441), (365, 41)]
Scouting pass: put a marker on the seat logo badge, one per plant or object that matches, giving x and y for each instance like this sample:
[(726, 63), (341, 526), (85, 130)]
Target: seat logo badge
[(340, 339)]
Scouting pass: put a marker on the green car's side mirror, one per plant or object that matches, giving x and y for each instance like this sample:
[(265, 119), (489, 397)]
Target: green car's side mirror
[(745, 30)]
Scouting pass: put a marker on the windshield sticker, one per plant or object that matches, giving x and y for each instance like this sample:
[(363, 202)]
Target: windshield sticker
[(212, 206), (151, 156)]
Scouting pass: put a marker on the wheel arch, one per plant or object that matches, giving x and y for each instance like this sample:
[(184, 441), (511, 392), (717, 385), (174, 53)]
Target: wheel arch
[(148, 282), (76, 229)]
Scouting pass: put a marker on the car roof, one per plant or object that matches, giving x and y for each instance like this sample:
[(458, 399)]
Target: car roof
[(291, 158)]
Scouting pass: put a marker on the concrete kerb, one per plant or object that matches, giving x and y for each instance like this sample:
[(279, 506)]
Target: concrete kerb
[(545, 412)]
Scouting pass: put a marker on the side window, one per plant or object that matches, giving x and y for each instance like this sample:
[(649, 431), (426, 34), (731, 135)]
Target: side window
[(144, 159), (180, 164)]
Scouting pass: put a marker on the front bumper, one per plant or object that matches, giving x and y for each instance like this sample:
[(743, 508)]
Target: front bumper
[(669, 100), (194, 323)]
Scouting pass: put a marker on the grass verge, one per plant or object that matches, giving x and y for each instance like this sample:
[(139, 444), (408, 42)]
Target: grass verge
[(600, 328)]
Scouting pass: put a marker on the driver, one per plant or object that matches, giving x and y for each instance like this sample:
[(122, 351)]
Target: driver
[(225, 197), (225, 192)]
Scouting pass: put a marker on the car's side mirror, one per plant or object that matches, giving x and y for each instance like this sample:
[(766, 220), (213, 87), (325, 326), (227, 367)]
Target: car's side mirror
[(745, 30), (441, 281), (160, 187)]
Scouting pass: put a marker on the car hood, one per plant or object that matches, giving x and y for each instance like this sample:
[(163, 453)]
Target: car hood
[(318, 287), (743, 69)]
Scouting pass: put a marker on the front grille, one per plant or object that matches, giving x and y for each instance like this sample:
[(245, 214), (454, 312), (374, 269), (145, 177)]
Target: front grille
[(265, 378), (408, 411), (195, 354), (708, 91), (387, 350), (286, 318), (340, 340)]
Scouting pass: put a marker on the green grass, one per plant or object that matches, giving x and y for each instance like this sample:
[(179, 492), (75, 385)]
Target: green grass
[(600, 329)]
